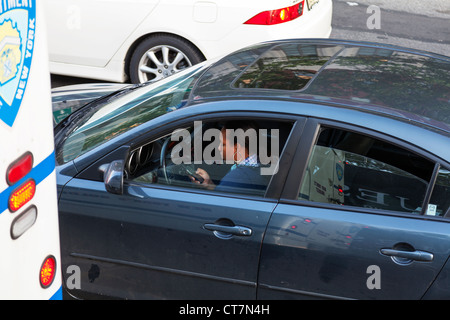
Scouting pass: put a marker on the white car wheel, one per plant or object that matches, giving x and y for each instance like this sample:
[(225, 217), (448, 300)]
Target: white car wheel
[(158, 57)]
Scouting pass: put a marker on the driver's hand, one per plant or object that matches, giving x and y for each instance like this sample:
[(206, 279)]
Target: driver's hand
[(207, 182)]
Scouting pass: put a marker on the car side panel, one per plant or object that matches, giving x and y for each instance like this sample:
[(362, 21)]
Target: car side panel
[(323, 253), (89, 32), (316, 250), (151, 243)]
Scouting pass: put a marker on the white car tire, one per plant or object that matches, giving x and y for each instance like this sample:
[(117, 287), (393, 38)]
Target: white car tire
[(160, 56)]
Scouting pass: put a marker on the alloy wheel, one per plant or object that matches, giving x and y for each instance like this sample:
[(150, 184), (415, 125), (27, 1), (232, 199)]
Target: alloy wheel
[(160, 62)]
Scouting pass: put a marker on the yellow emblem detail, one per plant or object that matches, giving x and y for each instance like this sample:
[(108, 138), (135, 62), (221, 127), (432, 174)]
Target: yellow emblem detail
[(10, 54)]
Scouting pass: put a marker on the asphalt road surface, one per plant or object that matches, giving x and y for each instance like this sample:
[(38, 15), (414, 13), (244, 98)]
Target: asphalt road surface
[(418, 24), (423, 25)]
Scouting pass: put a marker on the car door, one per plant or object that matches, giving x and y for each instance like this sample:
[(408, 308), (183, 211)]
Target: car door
[(89, 32), (357, 220), (161, 240)]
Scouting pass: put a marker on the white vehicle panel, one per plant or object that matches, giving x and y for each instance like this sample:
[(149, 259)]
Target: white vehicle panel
[(89, 32), (214, 27), (29, 230)]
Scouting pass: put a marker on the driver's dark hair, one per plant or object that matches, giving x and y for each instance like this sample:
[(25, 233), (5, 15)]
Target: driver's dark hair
[(241, 124)]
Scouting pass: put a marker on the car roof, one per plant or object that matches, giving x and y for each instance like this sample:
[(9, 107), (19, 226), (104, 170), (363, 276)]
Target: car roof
[(388, 80)]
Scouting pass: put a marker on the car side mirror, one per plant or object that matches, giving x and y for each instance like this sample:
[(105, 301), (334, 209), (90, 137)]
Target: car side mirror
[(113, 176)]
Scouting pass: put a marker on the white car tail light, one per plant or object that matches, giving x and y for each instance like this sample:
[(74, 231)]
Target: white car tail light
[(277, 16)]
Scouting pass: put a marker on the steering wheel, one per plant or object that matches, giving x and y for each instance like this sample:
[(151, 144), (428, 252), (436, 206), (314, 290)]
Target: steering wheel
[(162, 159), (181, 169)]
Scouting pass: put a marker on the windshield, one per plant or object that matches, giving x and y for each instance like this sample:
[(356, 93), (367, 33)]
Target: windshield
[(100, 125)]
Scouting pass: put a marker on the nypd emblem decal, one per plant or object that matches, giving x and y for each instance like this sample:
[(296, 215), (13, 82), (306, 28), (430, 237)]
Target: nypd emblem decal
[(17, 27)]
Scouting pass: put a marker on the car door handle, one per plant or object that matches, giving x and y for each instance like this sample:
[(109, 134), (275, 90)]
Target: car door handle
[(411, 255), (234, 230)]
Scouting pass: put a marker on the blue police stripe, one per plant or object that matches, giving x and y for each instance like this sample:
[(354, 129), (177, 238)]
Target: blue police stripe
[(58, 295), (38, 174)]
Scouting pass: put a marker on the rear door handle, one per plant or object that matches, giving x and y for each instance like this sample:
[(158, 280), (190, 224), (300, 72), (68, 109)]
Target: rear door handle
[(411, 255), (234, 230)]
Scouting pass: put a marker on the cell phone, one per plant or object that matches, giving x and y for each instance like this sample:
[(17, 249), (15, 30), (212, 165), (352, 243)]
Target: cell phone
[(198, 177), (195, 175)]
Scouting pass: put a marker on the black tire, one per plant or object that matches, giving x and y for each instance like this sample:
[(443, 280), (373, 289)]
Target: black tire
[(147, 61)]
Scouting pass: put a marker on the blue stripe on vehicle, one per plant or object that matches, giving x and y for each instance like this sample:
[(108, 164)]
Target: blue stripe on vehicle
[(58, 295), (38, 174)]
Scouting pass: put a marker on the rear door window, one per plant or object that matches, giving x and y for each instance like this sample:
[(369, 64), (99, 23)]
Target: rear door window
[(351, 169)]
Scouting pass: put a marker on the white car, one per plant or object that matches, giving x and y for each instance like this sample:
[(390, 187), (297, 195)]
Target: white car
[(141, 40)]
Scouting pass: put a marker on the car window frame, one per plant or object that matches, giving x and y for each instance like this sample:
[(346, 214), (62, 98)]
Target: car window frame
[(305, 149), (276, 183)]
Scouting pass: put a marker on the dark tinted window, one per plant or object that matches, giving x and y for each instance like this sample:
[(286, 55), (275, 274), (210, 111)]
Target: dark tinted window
[(347, 168), (217, 80), (440, 199), (286, 67)]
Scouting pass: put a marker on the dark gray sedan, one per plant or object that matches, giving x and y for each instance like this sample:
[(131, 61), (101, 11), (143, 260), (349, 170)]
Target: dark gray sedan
[(289, 170)]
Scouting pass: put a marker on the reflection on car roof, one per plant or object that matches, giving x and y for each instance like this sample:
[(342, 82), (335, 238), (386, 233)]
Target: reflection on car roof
[(396, 81)]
